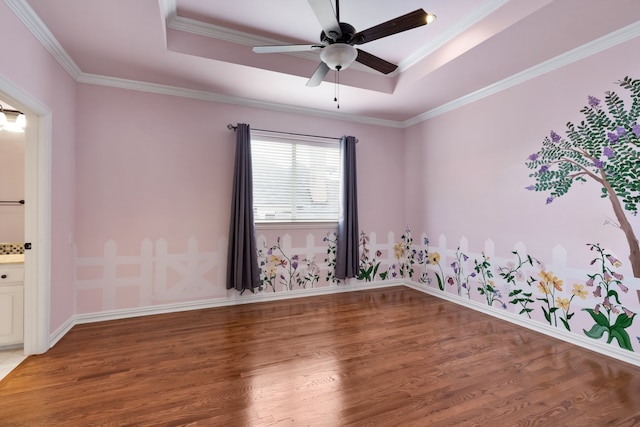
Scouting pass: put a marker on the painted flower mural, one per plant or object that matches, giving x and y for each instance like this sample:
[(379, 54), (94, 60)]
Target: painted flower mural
[(610, 315), (459, 279), (426, 258), (404, 253), (548, 286), (486, 284), (278, 268), (513, 274), (369, 266), (331, 239)]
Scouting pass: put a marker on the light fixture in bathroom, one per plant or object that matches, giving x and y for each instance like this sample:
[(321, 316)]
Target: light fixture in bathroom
[(17, 123)]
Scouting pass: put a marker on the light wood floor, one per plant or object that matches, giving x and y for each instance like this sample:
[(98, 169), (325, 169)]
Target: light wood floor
[(382, 357)]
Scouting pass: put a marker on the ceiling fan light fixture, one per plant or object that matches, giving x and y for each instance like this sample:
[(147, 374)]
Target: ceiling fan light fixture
[(338, 56)]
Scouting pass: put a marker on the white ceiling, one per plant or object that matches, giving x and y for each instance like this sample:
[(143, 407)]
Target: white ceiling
[(203, 48)]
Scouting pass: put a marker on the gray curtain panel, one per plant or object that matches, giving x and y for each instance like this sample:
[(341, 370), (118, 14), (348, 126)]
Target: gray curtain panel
[(242, 262), (347, 251)]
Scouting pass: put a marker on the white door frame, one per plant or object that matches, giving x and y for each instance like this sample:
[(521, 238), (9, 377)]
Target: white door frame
[(37, 226)]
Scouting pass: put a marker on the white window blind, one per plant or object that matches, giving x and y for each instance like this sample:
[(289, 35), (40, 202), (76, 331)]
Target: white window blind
[(295, 178)]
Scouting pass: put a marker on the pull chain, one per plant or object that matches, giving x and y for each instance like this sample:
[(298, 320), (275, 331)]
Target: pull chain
[(336, 89)]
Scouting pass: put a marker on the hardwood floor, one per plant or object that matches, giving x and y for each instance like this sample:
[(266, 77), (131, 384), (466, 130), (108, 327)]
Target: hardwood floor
[(382, 357)]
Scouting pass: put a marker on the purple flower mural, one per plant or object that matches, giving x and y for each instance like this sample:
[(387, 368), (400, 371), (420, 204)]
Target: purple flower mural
[(606, 154), (611, 322)]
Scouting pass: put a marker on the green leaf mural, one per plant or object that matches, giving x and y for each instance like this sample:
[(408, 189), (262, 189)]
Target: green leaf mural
[(368, 265), (605, 148), (610, 315)]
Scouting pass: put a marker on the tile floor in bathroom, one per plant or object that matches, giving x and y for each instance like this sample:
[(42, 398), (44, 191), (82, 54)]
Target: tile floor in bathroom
[(9, 359)]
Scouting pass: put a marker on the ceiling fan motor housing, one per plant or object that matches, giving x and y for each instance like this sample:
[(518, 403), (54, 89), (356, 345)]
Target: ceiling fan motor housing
[(347, 32)]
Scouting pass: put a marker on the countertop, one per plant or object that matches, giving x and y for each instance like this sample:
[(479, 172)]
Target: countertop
[(12, 259)]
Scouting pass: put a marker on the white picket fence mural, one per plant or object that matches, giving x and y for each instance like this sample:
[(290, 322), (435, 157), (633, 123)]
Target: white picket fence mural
[(159, 276), (546, 289)]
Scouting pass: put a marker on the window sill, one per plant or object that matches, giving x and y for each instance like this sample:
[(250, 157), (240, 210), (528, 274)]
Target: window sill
[(295, 225)]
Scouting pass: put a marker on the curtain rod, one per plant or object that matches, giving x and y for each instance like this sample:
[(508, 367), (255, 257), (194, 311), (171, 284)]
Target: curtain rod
[(13, 202), (232, 127)]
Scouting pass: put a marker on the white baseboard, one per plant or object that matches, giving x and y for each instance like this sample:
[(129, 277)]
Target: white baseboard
[(585, 342), (61, 331), (234, 298)]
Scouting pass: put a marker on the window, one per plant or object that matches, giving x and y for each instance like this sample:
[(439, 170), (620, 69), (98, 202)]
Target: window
[(295, 178)]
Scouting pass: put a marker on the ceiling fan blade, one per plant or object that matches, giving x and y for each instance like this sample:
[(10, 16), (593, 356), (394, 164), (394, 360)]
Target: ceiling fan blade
[(287, 48), (323, 9), (372, 61), (318, 75), (397, 25)]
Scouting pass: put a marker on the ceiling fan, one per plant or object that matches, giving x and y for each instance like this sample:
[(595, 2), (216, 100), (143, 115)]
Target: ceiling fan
[(337, 40)]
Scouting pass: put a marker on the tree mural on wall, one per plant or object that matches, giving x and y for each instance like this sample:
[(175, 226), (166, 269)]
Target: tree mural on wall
[(605, 148)]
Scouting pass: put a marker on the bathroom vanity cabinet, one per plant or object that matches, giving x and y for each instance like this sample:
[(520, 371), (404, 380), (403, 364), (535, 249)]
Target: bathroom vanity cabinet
[(11, 302)]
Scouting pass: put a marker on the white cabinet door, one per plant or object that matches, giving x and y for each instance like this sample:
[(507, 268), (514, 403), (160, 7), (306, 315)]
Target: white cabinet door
[(11, 315)]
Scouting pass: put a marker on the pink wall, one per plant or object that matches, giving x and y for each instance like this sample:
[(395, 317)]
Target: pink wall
[(466, 172), (466, 177), (156, 167), (29, 66), (11, 185)]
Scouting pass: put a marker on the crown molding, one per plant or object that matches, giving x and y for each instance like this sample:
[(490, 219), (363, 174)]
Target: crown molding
[(169, 9), (161, 89), (218, 32), (464, 24), (192, 26), (610, 40), (32, 21)]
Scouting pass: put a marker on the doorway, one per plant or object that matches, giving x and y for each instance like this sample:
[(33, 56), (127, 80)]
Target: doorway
[(37, 216), (12, 173)]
